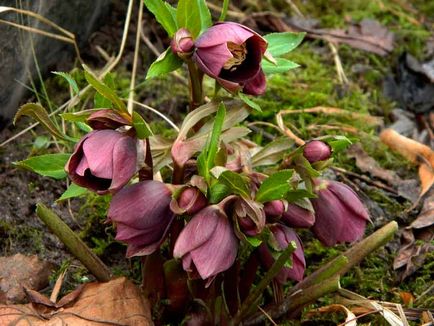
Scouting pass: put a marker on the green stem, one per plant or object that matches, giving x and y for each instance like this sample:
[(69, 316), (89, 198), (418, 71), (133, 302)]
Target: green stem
[(257, 291), (224, 10), (196, 77), (74, 244)]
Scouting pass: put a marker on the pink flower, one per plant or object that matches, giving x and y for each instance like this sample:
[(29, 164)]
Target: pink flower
[(103, 161), (142, 215), (340, 215), (107, 119), (182, 42), (232, 53), (207, 243), (190, 201), (282, 236), (298, 217)]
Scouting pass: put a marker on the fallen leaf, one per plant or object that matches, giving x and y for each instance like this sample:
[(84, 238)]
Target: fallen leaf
[(118, 302), (350, 320), (18, 271), (406, 297)]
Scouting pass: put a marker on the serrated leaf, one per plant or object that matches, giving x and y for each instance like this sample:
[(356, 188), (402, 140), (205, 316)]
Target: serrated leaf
[(100, 101), (164, 13), (206, 159), (298, 195), (282, 43), (275, 187), (71, 81), (142, 129), (164, 64), (282, 65), (80, 116), (104, 90), (194, 15), (38, 113), (218, 192), (73, 191), (236, 183), (48, 165), (249, 102)]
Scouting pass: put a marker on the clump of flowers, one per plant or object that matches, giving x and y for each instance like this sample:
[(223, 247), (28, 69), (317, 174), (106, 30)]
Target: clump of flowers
[(228, 204)]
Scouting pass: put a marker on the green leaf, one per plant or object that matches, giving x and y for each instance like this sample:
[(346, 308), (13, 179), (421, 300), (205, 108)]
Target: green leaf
[(100, 101), (164, 64), (275, 187), (218, 192), (71, 81), (73, 191), (298, 194), (83, 126), (80, 116), (254, 242), (282, 65), (48, 165), (282, 43), (142, 129), (41, 142), (236, 183), (38, 113), (249, 102), (339, 143), (104, 90), (272, 152), (206, 159), (194, 15), (164, 13), (225, 7)]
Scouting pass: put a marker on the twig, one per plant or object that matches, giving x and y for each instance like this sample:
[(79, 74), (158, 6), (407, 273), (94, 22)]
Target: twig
[(231, 13), (343, 80), (147, 107), (285, 130), (74, 244), (135, 60), (57, 287), (267, 315), (295, 8)]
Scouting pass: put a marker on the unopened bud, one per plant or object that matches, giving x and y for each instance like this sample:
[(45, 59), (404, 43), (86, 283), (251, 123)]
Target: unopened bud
[(192, 200), (182, 42), (317, 150)]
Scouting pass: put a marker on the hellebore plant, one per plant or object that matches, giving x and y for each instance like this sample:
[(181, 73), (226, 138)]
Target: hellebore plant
[(229, 205)]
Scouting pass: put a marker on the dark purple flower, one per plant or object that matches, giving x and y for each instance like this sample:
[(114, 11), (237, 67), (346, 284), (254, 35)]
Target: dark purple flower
[(232, 53), (107, 119), (298, 217), (282, 236), (250, 216), (142, 215), (317, 150), (103, 161), (190, 201), (340, 215), (274, 208), (182, 42), (207, 243)]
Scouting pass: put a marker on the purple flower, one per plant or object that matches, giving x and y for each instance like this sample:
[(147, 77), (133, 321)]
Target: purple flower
[(282, 236), (250, 216), (107, 119), (142, 215), (274, 208), (103, 161), (317, 150), (207, 243), (232, 53), (340, 215)]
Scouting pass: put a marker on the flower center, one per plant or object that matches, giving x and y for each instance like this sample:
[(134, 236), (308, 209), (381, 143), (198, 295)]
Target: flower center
[(239, 53)]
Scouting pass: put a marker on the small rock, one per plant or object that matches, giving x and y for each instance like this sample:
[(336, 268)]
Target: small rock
[(18, 271)]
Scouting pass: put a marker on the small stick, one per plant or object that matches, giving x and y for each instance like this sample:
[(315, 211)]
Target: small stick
[(74, 244)]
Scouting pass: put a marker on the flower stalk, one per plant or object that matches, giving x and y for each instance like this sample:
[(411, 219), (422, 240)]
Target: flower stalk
[(196, 91), (74, 244)]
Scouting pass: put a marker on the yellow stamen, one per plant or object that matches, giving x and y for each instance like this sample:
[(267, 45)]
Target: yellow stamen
[(239, 53)]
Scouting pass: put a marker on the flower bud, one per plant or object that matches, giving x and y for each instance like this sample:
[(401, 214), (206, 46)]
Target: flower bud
[(231, 53), (274, 208), (190, 201), (250, 216), (317, 150), (103, 161), (340, 215), (182, 42), (298, 217), (142, 216), (106, 119)]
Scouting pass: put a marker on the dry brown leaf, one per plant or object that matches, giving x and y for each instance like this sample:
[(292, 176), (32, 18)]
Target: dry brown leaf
[(406, 297), (426, 176), (18, 271), (350, 320), (118, 302)]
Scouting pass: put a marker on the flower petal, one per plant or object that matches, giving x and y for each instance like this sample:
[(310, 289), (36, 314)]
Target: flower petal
[(223, 33), (257, 85), (124, 162), (212, 59)]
